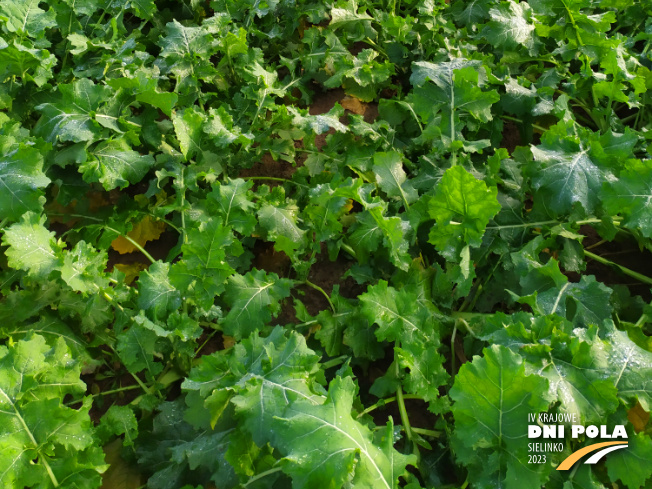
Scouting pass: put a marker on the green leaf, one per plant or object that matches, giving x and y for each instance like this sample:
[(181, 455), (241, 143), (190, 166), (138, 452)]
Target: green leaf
[(633, 465), (584, 303), (575, 362), (233, 202), (631, 369), (83, 268), (115, 165), (21, 181), (471, 12), (319, 123), (118, 420), (394, 312), (565, 175), (25, 17), (188, 128), (462, 207), (43, 441), (584, 478), (136, 348), (182, 45), (264, 374), (253, 300), (631, 197), (493, 397), (578, 382), (352, 20), (156, 295), (411, 325), (373, 228), (285, 373), (176, 453), (282, 222), (511, 26), (391, 177), (325, 447), (32, 247), (51, 329), (71, 116), (27, 64), (204, 270), (224, 132), (441, 74), (144, 9), (325, 209)]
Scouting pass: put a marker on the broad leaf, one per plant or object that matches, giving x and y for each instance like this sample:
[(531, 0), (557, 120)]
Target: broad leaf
[(253, 300), (493, 396), (42, 440), (631, 197), (25, 17), (204, 270), (633, 465), (631, 369), (233, 201), (565, 175), (21, 181), (323, 444), (114, 164), (391, 177), (264, 374), (83, 268), (511, 26), (71, 117), (32, 247), (188, 128), (157, 296), (462, 207)]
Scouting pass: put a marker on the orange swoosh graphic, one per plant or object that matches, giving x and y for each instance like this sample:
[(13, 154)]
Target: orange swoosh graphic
[(575, 456)]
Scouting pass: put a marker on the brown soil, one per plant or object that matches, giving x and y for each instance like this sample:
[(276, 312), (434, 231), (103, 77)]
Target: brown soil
[(268, 167), (511, 137)]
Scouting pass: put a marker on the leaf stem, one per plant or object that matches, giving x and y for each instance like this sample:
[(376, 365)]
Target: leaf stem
[(276, 179), (53, 478), (631, 273), (106, 393), (334, 362), (514, 119), (262, 475), (400, 400), (384, 402), (453, 349), (349, 250), (204, 343), (134, 243), (183, 203), (616, 222), (318, 288), (423, 431)]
